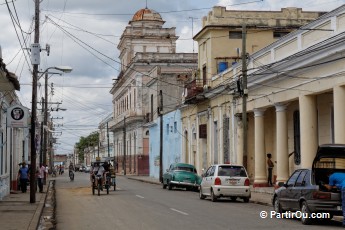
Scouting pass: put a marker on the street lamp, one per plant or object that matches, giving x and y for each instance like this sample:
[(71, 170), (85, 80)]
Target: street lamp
[(33, 142), (64, 69)]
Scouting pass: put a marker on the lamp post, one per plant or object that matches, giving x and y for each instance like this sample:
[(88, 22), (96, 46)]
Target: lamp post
[(64, 69)]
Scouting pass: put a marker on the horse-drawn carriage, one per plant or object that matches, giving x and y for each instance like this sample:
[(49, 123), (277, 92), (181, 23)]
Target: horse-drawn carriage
[(102, 180)]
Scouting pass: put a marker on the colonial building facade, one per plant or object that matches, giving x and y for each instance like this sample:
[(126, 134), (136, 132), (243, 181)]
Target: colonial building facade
[(13, 140), (212, 111), (152, 74)]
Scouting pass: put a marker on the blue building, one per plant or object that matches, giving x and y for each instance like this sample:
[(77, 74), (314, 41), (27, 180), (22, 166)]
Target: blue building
[(172, 142)]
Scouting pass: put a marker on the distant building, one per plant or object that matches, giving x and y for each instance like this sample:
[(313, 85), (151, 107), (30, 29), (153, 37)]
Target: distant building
[(150, 67), (172, 142)]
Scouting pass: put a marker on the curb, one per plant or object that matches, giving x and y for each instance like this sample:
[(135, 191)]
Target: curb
[(146, 181), (37, 216)]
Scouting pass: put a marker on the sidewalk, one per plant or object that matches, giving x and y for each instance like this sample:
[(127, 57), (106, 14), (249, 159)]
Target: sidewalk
[(259, 195), (16, 211)]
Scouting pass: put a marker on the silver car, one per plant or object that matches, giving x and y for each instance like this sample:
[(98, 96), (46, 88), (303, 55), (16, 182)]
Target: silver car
[(225, 180)]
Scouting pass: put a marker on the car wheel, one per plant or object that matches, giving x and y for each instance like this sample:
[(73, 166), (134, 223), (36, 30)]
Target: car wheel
[(277, 207), (213, 197), (233, 198), (201, 196), (305, 214), (246, 199)]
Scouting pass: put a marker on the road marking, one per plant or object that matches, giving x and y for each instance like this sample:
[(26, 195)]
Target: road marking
[(186, 214), (140, 196)]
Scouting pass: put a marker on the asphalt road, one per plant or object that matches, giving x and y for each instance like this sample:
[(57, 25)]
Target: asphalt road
[(137, 205)]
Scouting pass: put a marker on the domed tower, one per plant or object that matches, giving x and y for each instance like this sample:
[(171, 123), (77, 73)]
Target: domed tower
[(145, 34), (147, 15)]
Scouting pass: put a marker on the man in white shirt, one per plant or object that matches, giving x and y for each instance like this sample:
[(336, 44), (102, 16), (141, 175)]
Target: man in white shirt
[(40, 177), (98, 170)]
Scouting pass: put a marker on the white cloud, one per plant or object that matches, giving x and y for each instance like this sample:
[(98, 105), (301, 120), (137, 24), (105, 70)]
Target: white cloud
[(90, 47)]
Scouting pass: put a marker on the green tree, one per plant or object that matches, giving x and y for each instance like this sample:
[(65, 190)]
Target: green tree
[(85, 142)]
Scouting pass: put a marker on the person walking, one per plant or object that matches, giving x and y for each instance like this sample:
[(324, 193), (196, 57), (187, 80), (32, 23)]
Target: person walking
[(23, 175), (40, 177), (270, 166)]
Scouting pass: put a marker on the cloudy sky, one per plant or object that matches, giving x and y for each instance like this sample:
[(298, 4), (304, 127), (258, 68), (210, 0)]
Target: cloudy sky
[(84, 34)]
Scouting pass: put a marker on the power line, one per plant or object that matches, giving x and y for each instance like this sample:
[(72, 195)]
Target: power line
[(160, 12)]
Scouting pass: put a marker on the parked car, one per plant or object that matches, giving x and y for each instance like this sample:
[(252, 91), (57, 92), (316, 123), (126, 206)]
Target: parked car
[(82, 168), (181, 175), (304, 190), (225, 180), (87, 169)]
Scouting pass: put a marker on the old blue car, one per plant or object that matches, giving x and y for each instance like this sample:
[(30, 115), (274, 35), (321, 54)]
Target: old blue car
[(181, 175)]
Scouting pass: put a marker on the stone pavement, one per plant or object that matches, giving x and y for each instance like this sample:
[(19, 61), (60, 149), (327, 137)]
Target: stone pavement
[(17, 213)]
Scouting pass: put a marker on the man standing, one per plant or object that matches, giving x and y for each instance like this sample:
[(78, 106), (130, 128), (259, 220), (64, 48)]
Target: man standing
[(98, 170), (270, 166), (23, 175)]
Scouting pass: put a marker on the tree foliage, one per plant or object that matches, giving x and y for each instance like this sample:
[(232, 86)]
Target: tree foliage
[(86, 142)]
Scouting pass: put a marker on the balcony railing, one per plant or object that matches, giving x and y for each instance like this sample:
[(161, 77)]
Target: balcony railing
[(193, 88), (194, 91)]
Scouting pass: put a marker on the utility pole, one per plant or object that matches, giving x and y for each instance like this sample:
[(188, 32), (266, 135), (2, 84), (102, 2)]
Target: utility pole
[(42, 130), (98, 145), (160, 110), (108, 139), (245, 90), (124, 146), (45, 121), (33, 108)]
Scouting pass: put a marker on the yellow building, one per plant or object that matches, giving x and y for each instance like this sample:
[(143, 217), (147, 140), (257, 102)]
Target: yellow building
[(212, 109)]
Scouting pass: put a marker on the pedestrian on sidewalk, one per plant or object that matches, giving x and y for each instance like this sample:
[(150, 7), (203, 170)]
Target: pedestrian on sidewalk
[(270, 166), (40, 177), (23, 175)]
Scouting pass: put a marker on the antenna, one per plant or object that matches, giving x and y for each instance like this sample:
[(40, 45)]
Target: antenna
[(192, 30)]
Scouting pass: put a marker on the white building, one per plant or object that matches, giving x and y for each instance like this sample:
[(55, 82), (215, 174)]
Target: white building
[(149, 65), (13, 140)]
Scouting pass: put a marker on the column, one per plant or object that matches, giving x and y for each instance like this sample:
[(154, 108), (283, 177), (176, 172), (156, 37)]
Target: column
[(197, 143), (282, 144), (260, 178), (239, 149), (220, 135), (309, 130), (339, 111)]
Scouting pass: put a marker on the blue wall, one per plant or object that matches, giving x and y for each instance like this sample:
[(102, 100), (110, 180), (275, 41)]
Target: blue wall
[(172, 142)]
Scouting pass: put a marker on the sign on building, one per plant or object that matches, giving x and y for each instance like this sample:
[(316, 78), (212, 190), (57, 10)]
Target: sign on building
[(17, 116)]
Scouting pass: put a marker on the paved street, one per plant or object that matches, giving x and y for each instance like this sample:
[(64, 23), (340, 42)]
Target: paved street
[(138, 205)]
